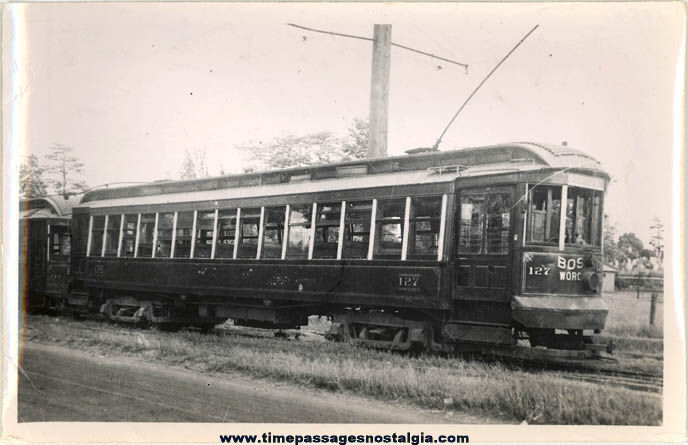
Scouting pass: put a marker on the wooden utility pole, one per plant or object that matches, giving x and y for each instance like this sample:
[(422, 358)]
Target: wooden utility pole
[(379, 91)]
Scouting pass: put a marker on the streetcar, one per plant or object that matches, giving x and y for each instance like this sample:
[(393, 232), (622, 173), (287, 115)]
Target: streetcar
[(495, 248), (44, 252)]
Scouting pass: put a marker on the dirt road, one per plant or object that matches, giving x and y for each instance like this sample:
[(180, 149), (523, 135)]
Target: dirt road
[(60, 384)]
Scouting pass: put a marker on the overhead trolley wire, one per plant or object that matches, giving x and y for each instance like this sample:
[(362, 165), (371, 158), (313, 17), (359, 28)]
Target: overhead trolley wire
[(370, 40)]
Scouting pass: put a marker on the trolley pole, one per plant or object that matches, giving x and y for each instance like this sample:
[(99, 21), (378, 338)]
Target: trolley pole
[(379, 91)]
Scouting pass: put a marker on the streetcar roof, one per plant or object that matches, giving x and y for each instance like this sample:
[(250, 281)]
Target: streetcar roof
[(47, 207), (421, 168)]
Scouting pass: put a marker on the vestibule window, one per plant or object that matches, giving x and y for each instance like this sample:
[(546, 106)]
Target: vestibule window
[(544, 214), (484, 222), (583, 215), (60, 243)]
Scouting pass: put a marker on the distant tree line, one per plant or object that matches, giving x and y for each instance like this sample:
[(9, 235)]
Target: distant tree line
[(321, 147), (627, 252), (59, 173)]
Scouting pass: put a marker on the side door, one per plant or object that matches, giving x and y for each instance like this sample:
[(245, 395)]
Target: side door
[(483, 251)]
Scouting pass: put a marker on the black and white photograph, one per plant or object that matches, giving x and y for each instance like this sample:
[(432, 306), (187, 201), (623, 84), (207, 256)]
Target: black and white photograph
[(348, 223)]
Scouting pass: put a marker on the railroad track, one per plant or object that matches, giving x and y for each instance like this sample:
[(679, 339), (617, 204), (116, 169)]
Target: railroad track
[(634, 381)]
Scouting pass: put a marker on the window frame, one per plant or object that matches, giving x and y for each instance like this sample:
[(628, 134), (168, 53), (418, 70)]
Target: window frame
[(509, 190), (566, 192)]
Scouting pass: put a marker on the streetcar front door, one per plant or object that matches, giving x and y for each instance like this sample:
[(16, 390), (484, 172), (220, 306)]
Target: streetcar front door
[(484, 226)]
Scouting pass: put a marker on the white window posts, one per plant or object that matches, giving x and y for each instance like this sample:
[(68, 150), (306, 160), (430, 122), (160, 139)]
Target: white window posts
[(90, 236), (237, 228), (340, 241), (371, 237), (443, 219), (311, 245), (107, 219), (212, 248), (285, 237), (261, 230), (121, 235), (405, 235), (562, 216), (138, 235), (193, 234), (155, 235)]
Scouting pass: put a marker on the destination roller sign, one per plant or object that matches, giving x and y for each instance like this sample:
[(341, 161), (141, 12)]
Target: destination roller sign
[(559, 273)]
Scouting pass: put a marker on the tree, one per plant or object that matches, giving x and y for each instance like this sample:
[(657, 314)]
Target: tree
[(312, 149), (31, 181), (611, 253), (629, 248), (356, 141), (65, 171), (194, 165), (657, 240)]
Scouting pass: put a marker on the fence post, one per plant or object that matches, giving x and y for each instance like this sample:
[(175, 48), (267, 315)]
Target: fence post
[(637, 287), (653, 303)]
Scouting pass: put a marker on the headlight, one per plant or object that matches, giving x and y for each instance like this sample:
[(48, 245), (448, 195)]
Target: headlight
[(593, 279)]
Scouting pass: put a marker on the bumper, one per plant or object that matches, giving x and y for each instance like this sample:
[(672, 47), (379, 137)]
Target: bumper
[(559, 311)]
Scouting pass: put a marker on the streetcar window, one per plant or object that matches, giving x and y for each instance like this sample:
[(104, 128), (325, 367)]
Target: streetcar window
[(389, 228), (357, 229), (182, 240), (299, 237), (248, 235), (327, 230), (226, 232), (129, 235), (59, 243), (165, 227), (97, 236), (543, 215), (145, 248), (112, 235), (205, 221), (498, 221), (471, 223), (484, 223), (273, 232), (424, 227), (583, 217)]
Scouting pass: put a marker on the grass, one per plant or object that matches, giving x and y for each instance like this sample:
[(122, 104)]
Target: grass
[(629, 317), (434, 382)]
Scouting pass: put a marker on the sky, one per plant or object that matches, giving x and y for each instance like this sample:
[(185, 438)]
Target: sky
[(131, 86)]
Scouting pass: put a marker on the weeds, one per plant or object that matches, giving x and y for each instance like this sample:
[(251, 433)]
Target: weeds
[(474, 387)]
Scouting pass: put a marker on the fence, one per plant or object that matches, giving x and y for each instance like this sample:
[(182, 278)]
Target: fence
[(652, 282)]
